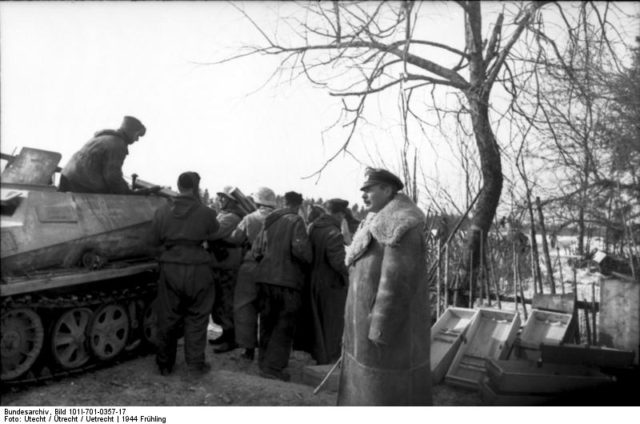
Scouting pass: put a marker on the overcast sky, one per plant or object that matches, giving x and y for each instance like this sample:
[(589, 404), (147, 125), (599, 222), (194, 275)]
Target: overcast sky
[(69, 69)]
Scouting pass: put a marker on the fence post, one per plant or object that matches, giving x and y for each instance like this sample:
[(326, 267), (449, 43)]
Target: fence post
[(470, 278), (545, 248), (593, 313), (515, 277), (438, 283), (446, 275), (481, 271), (575, 299)]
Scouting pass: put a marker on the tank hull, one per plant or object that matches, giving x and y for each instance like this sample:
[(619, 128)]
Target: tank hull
[(50, 229), (78, 276)]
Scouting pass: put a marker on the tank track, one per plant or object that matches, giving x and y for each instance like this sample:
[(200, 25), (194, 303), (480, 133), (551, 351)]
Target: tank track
[(49, 306)]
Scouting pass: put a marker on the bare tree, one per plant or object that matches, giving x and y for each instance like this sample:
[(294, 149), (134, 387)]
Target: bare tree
[(570, 114), (359, 49)]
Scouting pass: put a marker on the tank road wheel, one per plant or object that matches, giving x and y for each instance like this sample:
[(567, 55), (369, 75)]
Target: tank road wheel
[(109, 331), (68, 338), (22, 340), (150, 325)]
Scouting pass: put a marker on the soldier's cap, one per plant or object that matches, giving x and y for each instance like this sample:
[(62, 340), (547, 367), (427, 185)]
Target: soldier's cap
[(336, 205), (132, 125), (381, 176), (226, 193), (292, 198), (188, 180)]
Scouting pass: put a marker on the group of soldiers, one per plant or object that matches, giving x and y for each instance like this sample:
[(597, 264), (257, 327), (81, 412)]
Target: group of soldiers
[(272, 281)]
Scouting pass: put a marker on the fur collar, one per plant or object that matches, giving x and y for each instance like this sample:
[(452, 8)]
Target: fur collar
[(387, 226)]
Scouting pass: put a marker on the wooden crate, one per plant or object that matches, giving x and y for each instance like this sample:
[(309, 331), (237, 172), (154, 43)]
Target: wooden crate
[(490, 335), (541, 327), (532, 377), (597, 356), (491, 397), (446, 336)]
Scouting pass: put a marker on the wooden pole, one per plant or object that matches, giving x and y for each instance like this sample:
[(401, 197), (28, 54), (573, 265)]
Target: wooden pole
[(515, 277), (575, 298), (593, 313), (520, 284), (545, 247), (533, 270), (495, 280), (586, 320), (438, 285), (560, 266), (470, 279), (629, 237), (446, 276), (480, 272), (535, 262), (326, 377), (455, 287), (486, 276)]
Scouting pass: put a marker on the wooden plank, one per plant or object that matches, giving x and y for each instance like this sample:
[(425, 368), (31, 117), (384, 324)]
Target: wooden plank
[(67, 278)]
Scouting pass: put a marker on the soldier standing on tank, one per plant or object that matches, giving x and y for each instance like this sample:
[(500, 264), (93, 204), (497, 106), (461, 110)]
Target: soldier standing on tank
[(226, 259), (97, 166), (185, 287), (385, 359)]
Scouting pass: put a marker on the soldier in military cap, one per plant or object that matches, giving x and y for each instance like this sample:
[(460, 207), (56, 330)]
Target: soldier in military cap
[(385, 359), (97, 167), (185, 287)]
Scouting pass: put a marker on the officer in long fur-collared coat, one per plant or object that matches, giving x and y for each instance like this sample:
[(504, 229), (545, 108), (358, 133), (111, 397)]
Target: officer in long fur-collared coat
[(385, 358)]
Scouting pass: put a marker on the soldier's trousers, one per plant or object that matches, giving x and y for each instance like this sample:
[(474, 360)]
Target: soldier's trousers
[(185, 296), (222, 311), (245, 307), (278, 308)]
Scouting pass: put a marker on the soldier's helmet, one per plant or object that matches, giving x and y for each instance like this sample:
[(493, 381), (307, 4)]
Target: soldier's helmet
[(226, 193), (265, 196)]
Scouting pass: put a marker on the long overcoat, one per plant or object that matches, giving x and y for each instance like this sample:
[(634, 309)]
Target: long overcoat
[(328, 288), (386, 336)]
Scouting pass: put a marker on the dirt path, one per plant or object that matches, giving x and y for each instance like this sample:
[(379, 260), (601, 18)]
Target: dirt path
[(231, 382)]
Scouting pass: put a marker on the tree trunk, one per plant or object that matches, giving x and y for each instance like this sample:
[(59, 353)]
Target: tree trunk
[(485, 209), (490, 163)]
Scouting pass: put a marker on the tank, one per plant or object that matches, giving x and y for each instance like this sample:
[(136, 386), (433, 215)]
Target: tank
[(78, 278)]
